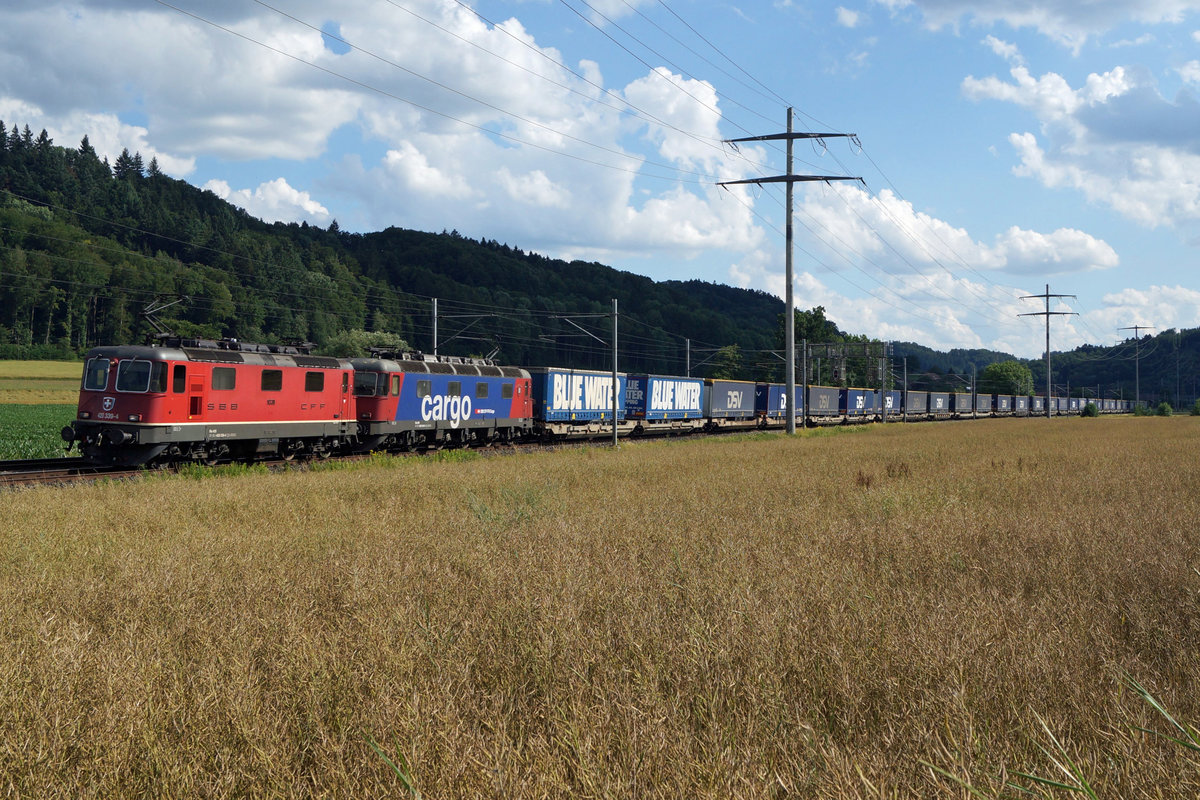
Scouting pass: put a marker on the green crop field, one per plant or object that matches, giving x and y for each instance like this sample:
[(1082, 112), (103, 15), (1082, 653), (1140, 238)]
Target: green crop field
[(32, 431), (901, 612)]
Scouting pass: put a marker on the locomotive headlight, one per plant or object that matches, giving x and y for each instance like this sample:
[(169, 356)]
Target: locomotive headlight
[(85, 415), (135, 417)]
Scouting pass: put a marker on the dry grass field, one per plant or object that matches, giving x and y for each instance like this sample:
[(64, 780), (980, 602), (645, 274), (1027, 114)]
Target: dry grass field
[(40, 382), (749, 617)]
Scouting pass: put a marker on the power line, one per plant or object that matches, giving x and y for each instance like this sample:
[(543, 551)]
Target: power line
[(625, 104), (675, 39), (730, 60), (1137, 329), (452, 118)]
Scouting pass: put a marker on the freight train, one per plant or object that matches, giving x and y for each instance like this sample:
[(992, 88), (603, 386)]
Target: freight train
[(210, 401)]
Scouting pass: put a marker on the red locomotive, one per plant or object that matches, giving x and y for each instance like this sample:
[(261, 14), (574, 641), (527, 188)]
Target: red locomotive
[(202, 400)]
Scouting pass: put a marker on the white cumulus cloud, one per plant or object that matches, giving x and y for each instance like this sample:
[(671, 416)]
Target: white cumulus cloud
[(1067, 22), (847, 18), (273, 201), (1114, 138)]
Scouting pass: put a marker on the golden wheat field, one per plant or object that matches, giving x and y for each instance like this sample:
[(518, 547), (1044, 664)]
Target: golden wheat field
[(40, 382), (894, 612)]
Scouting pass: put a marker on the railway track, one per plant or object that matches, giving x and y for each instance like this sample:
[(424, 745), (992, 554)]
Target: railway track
[(41, 471), (62, 471)]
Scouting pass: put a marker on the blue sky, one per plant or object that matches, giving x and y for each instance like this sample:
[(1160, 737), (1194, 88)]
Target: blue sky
[(1004, 145)]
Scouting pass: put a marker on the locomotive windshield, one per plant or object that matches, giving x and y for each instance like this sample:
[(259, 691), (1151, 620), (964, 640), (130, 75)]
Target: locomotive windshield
[(365, 382), (95, 377), (133, 376)]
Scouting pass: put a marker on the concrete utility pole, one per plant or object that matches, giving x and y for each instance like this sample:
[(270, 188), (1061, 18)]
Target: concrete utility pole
[(435, 326), (804, 378), (1048, 314), (882, 392), (789, 324), (615, 386), (614, 371), (1137, 361)]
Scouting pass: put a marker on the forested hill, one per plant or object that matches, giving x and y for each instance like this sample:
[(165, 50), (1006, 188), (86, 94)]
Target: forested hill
[(86, 245)]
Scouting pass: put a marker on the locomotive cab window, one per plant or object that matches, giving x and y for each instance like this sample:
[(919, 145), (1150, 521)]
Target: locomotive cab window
[(272, 380), (158, 377), (95, 377), (224, 379), (481, 390), (364, 383), (314, 381), (133, 376), (179, 379), (395, 384)]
